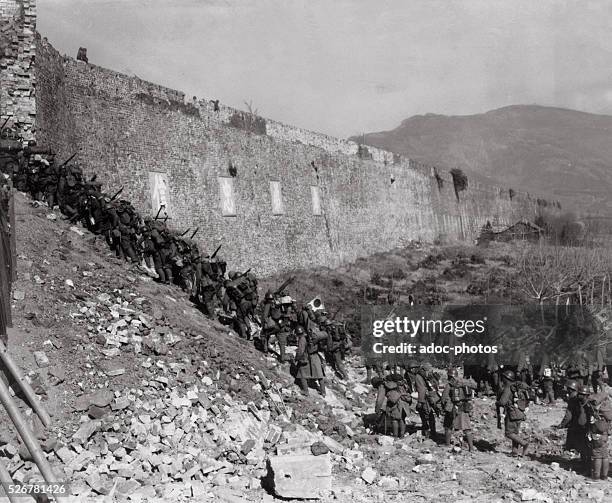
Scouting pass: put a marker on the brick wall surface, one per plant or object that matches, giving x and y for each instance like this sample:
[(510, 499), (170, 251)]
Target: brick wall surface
[(17, 49), (124, 128)]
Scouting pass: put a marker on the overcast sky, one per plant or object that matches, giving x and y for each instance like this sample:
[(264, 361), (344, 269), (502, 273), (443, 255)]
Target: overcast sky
[(345, 67)]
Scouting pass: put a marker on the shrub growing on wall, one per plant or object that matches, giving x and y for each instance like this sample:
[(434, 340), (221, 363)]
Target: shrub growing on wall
[(460, 181), (439, 179), (511, 193)]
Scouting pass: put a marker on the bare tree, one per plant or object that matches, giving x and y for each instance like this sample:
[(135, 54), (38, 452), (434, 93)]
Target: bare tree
[(249, 107)]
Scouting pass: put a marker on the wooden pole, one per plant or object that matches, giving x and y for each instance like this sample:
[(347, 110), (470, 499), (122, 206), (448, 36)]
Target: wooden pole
[(6, 481), (24, 385), (26, 435), (13, 237)]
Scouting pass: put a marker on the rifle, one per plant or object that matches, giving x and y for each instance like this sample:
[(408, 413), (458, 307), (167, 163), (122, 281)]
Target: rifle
[(284, 285), (5, 122), (159, 211), (336, 313), (244, 273), (194, 232), (185, 232), (117, 194), (68, 160), (216, 251), (166, 219)]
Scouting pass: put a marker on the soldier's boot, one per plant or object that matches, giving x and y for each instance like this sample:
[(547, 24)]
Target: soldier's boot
[(470, 440), (402, 428), (322, 387), (282, 344), (303, 383), (432, 426), (514, 449), (395, 427), (595, 468), (448, 436), (605, 468)]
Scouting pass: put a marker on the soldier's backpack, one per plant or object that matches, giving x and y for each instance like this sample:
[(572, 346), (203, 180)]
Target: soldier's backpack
[(602, 404), (392, 390), (520, 402)]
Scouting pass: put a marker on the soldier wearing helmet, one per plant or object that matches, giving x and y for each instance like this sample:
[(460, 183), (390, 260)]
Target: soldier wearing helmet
[(308, 361), (514, 399), (392, 403), (271, 319), (575, 420), (457, 406), (421, 384)]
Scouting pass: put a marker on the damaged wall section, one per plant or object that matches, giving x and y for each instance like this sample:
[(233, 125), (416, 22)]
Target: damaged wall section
[(17, 54)]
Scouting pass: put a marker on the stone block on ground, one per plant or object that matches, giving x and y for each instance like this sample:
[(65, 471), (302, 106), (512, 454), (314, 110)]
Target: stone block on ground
[(304, 476)]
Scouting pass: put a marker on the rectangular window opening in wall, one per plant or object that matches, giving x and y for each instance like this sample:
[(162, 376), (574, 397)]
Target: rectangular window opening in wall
[(277, 198), (227, 198), (315, 194), (158, 186)]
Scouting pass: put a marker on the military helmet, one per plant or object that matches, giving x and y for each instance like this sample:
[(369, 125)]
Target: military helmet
[(508, 374), (426, 366), (269, 295), (573, 385), (299, 330), (583, 389), (412, 364), (452, 372), (232, 275)]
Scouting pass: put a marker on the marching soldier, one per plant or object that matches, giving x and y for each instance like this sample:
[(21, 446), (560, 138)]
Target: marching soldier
[(514, 398), (392, 403), (420, 384), (308, 361), (457, 405), (599, 421), (575, 420)]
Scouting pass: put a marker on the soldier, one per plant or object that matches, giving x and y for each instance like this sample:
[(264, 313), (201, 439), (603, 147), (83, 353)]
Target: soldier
[(392, 403), (157, 240), (547, 383), (271, 320), (575, 420), (599, 421), (210, 282), (336, 345), (424, 389), (457, 405), (308, 361), (514, 398)]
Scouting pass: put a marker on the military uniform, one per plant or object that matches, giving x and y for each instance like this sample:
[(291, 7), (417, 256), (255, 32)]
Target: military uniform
[(514, 399), (599, 423), (309, 362), (392, 403), (336, 346), (425, 401), (457, 407)]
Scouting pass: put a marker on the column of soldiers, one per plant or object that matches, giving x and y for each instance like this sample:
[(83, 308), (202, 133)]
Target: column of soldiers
[(318, 337), (175, 258), (588, 417)]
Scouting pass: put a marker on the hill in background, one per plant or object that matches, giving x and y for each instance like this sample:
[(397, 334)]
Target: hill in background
[(563, 154)]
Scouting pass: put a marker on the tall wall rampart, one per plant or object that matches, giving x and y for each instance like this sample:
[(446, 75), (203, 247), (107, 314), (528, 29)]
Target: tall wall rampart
[(277, 197)]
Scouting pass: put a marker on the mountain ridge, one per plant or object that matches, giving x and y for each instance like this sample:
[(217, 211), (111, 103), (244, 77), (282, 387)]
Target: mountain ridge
[(562, 153)]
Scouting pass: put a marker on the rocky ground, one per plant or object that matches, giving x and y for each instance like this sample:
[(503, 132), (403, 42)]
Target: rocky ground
[(151, 401)]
